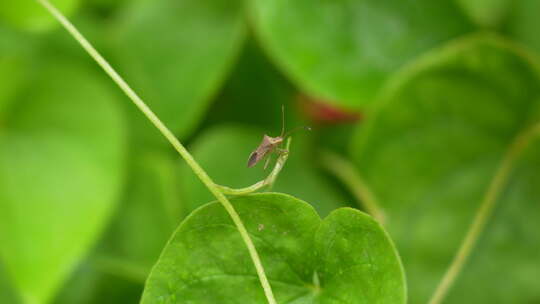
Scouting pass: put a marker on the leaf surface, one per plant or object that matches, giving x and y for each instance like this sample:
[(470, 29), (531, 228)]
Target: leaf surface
[(343, 51), (176, 54), (30, 15), (522, 23), (431, 151), (151, 206), (487, 13), (61, 167), (307, 260)]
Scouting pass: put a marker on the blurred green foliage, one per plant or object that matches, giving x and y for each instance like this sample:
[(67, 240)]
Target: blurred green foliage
[(430, 157), (90, 192)]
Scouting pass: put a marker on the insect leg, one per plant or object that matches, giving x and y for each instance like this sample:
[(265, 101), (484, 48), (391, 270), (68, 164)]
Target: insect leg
[(267, 161)]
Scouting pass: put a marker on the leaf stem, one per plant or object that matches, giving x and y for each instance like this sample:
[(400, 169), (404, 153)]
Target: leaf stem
[(484, 212), (345, 172), (203, 176), (268, 181)]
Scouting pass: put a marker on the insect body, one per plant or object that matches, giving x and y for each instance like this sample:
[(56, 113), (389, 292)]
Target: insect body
[(270, 144), (267, 146)]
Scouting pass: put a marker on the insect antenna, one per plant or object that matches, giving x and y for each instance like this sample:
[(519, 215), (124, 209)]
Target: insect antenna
[(296, 129), (283, 134)]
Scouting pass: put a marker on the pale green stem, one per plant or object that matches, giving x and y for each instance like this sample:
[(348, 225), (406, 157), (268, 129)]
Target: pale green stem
[(350, 177), (483, 213), (172, 139), (268, 181)]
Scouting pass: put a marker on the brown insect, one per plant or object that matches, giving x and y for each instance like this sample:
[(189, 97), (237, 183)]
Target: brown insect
[(270, 144)]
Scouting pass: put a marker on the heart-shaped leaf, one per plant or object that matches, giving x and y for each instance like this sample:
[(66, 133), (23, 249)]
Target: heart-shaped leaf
[(344, 50), (61, 155), (29, 14), (176, 54), (345, 258), (446, 128), (224, 152)]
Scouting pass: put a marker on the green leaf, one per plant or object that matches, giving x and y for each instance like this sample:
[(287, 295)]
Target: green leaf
[(11, 77), (13, 66), (429, 154), (148, 215), (30, 15), (343, 51), (61, 163), (7, 292), (176, 54), (223, 152), (254, 93), (523, 22), (345, 258), (487, 13), (151, 207), (91, 283)]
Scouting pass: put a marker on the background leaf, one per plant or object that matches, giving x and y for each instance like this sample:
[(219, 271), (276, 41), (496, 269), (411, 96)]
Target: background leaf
[(93, 282), (151, 207), (206, 261), (487, 13), (432, 149), (7, 292), (61, 143), (176, 55), (343, 51), (149, 212), (254, 86), (522, 23), (27, 14)]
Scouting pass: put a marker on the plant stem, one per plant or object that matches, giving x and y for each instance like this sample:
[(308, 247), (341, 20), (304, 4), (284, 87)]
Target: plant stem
[(484, 212), (172, 139), (268, 181), (345, 171)]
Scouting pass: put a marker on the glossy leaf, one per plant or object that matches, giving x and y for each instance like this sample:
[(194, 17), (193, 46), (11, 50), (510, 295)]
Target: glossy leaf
[(224, 152), (343, 51), (345, 258), (176, 55), (28, 14), (61, 155), (429, 154)]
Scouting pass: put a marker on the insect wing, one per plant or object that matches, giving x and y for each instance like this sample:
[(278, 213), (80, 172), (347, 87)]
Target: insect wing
[(257, 155), (262, 150), (254, 158)]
